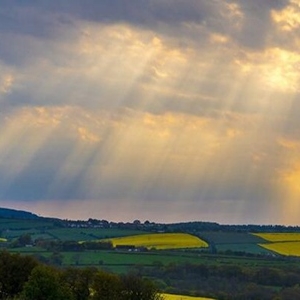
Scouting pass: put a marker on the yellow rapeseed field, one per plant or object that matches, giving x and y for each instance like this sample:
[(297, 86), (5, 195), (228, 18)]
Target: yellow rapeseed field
[(180, 297), (282, 243), (284, 248), (161, 241), (279, 237)]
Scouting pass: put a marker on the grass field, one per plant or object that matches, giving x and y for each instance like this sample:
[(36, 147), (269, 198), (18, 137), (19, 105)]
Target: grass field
[(12, 229), (123, 261), (3, 240), (235, 241), (181, 297), (15, 224), (114, 259), (220, 238), (89, 234), (161, 241), (239, 247)]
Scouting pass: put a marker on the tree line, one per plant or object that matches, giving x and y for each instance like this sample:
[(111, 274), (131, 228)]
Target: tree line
[(228, 282), (24, 278)]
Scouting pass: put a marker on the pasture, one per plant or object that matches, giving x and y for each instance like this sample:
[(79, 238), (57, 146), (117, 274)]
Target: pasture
[(23, 225), (46, 229), (234, 242), (124, 261), (161, 241), (90, 234)]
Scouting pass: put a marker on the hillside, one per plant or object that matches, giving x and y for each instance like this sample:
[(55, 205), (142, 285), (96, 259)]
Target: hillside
[(237, 260), (16, 214)]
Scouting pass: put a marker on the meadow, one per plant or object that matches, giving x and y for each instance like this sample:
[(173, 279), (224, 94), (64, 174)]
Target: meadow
[(48, 231), (124, 261), (90, 234), (161, 241), (234, 242), (17, 224)]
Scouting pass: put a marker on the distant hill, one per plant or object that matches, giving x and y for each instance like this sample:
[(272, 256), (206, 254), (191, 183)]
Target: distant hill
[(16, 214)]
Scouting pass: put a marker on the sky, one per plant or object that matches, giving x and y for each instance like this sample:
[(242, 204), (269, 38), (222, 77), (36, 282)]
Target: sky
[(159, 110)]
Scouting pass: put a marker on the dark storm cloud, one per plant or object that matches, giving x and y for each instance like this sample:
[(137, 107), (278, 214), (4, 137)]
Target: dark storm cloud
[(135, 11), (31, 18), (43, 18), (257, 24)]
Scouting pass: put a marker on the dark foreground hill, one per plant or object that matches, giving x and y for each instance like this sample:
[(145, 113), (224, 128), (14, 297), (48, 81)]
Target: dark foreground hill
[(16, 214)]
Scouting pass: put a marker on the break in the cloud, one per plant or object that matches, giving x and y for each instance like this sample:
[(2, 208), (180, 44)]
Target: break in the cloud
[(167, 110)]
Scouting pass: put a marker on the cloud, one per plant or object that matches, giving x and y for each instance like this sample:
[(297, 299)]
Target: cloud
[(189, 103), (138, 155)]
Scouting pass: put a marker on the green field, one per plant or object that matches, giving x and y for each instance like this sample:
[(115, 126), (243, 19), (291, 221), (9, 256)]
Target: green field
[(122, 262), (90, 234), (16, 224), (40, 229), (235, 242)]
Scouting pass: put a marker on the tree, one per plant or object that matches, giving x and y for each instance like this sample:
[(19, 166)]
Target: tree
[(106, 286), (290, 293), (79, 281), (56, 258), (137, 288), (45, 284), (25, 239), (14, 272)]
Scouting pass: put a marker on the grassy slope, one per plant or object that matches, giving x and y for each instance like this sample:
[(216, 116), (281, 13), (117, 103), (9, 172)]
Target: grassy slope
[(235, 241), (89, 234), (47, 229)]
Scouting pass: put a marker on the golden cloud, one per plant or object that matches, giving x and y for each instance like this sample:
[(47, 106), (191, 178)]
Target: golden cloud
[(288, 19), (274, 69), (6, 82)]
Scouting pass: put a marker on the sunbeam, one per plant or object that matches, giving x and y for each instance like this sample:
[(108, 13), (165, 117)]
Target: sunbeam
[(190, 115)]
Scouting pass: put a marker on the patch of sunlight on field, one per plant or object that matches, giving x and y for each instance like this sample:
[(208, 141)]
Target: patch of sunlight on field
[(279, 237), (284, 248), (181, 297), (161, 241), (3, 240)]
